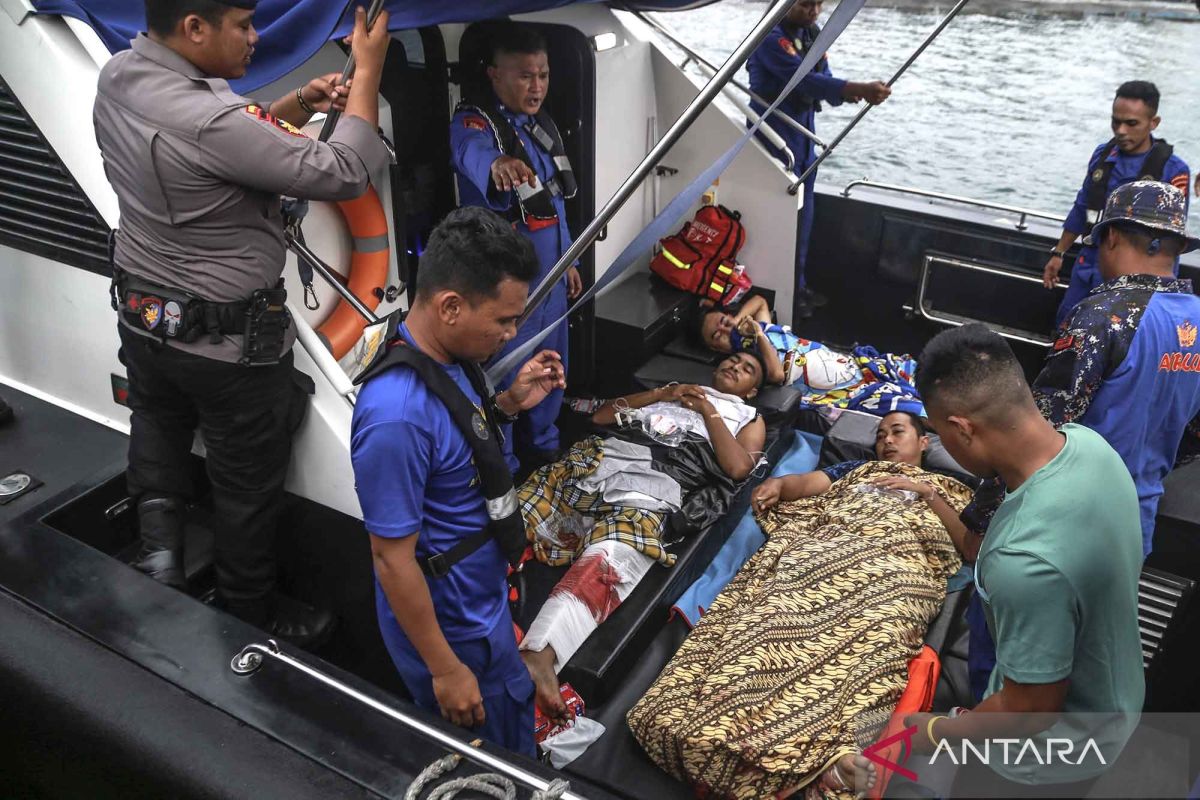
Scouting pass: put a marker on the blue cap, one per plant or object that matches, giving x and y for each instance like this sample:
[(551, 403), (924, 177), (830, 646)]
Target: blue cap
[(1154, 205)]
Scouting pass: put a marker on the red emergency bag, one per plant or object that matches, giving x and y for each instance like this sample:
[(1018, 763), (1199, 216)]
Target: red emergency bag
[(701, 258)]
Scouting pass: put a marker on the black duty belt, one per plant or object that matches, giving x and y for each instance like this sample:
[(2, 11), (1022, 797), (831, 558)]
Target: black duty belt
[(168, 313)]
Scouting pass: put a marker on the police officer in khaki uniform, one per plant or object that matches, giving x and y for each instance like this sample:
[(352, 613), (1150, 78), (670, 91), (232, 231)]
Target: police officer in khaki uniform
[(205, 335)]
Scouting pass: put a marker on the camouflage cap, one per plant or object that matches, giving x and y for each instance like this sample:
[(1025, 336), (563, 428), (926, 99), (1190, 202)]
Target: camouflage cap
[(1150, 204)]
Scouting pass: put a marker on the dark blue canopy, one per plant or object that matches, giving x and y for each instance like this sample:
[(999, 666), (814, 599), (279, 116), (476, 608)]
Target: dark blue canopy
[(292, 30)]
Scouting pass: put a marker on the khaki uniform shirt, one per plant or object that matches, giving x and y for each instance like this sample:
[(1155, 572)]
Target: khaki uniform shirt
[(198, 171)]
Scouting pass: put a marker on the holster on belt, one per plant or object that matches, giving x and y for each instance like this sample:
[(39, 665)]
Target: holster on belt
[(171, 313)]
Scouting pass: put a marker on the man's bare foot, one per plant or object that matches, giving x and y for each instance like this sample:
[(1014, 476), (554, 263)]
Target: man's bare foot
[(852, 772), (540, 664)]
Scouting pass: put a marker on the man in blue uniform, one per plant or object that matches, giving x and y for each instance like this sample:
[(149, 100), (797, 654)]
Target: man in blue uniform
[(425, 488), (1132, 154), (509, 157), (1127, 363), (771, 66)]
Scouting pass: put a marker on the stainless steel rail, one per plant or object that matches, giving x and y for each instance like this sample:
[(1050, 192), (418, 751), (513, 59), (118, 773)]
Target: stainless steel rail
[(1022, 212), (332, 278), (252, 657), (708, 67), (702, 100), (954, 320)]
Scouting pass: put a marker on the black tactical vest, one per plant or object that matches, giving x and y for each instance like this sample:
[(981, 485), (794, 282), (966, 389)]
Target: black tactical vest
[(533, 202), (482, 433), (1097, 190)]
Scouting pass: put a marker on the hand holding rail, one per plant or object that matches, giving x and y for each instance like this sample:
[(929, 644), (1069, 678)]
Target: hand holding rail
[(795, 187), (331, 119)]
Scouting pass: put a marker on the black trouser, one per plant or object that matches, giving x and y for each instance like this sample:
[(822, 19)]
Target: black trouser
[(246, 416)]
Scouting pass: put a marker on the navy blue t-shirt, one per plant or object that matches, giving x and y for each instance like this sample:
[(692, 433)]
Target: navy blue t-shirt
[(835, 472), (414, 474)]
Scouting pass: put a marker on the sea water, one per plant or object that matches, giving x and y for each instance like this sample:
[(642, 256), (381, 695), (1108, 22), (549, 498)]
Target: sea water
[(1006, 108)]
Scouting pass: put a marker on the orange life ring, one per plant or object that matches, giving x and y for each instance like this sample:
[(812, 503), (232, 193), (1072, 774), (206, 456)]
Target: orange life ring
[(368, 271)]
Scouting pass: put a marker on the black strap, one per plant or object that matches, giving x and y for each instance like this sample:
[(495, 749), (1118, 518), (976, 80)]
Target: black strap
[(540, 204), (1101, 173), (483, 436), (438, 565)]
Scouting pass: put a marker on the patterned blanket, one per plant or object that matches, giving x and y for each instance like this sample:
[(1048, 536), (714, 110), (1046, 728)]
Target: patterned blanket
[(552, 493), (801, 659)]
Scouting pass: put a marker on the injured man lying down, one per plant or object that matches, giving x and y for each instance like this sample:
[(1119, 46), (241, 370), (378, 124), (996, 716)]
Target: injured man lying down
[(603, 507), (800, 661)]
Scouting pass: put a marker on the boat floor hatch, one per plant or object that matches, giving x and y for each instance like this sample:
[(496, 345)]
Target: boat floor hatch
[(129, 682), (60, 449)]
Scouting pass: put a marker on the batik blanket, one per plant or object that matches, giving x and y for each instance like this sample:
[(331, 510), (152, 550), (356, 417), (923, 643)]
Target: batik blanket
[(802, 657)]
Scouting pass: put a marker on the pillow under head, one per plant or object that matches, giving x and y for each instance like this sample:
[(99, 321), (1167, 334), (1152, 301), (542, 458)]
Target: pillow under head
[(852, 438)]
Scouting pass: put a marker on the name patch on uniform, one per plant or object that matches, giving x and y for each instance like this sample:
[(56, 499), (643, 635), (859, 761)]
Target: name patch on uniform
[(260, 113), (787, 46), (472, 121), (1179, 362)]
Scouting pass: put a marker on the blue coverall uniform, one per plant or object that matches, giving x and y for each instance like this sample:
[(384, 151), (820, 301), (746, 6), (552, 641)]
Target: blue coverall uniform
[(473, 148), (1085, 273), (771, 66), (415, 475)]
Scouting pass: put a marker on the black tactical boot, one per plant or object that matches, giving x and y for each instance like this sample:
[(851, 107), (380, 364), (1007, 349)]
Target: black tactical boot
[(161, 556), (285, 618)]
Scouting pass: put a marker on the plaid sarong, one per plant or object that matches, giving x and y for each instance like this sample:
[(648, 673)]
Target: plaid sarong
[(553, 492)]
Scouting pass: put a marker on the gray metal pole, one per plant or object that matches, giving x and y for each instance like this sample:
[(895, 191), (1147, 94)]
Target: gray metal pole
[(710, 90), (331, 277), (699, 59), (331, 119), (795, 187)]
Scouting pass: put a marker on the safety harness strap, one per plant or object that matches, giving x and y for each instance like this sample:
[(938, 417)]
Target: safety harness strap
[(1097, 191), (478, 425)]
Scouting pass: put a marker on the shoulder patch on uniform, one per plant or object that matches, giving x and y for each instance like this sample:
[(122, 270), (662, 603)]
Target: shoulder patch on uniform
[(1063, 343), (1187, 333), (1180, 181), (475, 121), (787, 45), (260, 113)]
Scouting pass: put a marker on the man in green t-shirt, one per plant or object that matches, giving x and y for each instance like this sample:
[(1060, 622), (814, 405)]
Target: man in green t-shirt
[(1058, 576)]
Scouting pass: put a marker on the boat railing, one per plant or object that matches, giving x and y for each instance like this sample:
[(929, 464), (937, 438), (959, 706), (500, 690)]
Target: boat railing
[(769, 133), (925, 308), (1023, 213), (252, 657), (319, 353)]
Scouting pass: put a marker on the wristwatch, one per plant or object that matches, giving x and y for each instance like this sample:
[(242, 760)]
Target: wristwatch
[(1054, 251), (501, 417)]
